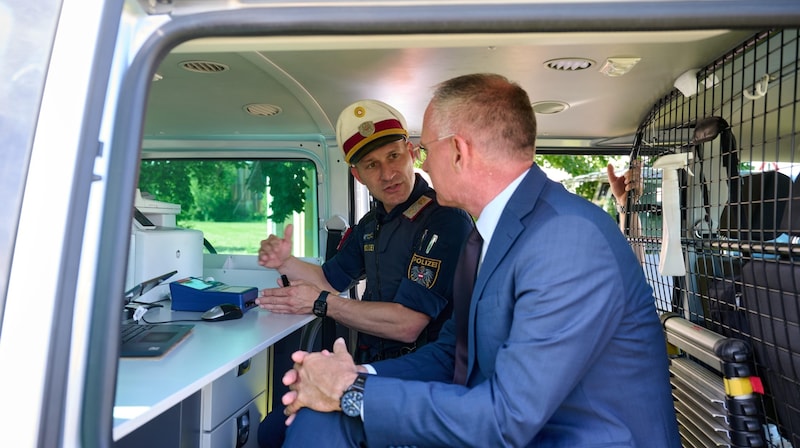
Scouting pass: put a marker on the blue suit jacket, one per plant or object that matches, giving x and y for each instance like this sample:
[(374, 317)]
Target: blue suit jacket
[(565, 345)]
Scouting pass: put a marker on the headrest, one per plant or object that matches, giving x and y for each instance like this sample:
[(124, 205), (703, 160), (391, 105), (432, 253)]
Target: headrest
[(755, 215), (366, 125)]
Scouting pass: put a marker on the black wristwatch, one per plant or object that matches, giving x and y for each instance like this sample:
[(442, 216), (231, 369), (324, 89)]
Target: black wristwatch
[(321, 304), (353, 398)]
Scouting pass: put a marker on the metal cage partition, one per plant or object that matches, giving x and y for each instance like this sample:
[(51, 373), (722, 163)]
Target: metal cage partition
[(720, 167)]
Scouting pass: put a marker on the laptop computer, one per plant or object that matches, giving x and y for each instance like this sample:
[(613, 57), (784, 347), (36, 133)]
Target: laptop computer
[(149, 340), (139, 290)]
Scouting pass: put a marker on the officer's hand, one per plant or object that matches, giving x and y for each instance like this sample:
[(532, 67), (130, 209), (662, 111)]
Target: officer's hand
[(298, 298), (274, 251)]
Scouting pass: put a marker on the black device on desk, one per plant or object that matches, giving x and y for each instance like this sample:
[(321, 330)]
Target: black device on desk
[(147, 340), (196, 294), (139, 290)]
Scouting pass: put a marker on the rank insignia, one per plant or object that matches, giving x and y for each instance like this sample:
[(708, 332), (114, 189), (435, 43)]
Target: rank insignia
[(424, 270), (413, 210)]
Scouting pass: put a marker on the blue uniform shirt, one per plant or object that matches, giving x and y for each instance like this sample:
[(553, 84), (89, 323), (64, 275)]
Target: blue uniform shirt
[(407, 256)]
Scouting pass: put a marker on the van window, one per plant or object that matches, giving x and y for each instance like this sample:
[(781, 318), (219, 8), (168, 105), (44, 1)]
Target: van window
[(237, 203)]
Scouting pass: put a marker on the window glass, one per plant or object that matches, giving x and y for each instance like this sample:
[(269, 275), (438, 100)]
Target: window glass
[(235, 203)]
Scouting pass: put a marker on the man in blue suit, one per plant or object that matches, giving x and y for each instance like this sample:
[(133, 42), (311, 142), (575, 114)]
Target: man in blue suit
[(564, 345)]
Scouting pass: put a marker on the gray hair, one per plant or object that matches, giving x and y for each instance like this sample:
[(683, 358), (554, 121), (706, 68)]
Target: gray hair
[(489, 109)]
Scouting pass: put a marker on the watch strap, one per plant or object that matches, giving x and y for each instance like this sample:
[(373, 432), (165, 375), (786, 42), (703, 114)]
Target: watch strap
[(352, 400), (358, 384), (321, 304)]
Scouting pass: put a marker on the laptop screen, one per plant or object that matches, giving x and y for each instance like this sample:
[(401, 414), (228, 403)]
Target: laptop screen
[(145, 286)]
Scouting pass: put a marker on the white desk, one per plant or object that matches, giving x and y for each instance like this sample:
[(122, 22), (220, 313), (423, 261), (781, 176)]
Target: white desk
[(146, 388)]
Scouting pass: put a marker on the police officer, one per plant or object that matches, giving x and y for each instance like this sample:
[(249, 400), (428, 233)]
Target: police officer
[(406, 247)]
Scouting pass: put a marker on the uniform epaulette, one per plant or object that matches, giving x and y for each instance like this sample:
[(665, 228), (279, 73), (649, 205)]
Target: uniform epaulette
[(414, 209)]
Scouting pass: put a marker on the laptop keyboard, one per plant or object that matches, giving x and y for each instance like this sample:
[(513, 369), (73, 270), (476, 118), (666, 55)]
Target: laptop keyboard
[(130, 331)]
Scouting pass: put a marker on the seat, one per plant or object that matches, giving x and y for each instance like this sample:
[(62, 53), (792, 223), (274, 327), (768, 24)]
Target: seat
[(757, 211), (771, 288), (751, 218)]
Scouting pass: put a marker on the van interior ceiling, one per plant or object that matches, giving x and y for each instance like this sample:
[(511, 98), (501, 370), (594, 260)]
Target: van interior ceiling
[(590, 88)]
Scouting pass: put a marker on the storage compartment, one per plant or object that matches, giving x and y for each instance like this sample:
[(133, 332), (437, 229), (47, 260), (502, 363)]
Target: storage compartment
[(240, 430), (232, 391)]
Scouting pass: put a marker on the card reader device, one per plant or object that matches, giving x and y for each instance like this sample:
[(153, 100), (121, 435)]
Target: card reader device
[(196, 294)]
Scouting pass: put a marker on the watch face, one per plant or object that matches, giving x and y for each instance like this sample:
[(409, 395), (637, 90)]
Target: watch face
[(351, 403)]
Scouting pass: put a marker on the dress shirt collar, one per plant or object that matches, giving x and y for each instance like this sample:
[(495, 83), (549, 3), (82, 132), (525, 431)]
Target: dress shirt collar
[(490, 215)]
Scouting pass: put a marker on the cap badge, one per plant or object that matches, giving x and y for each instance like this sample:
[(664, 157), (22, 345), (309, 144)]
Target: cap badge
[(366, 128)]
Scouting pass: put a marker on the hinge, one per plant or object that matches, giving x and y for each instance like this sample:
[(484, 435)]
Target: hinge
[(157, 6)]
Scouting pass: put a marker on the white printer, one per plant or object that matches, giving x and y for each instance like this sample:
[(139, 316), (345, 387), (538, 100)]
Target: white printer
[(159, 247)]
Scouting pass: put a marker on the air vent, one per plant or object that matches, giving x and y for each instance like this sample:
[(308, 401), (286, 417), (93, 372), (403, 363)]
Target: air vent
[(549, 107), (204, 66), (262, 110), (569, 64)]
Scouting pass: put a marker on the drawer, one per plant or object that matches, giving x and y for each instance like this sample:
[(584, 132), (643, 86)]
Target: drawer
[(240, 430), (232, 391)]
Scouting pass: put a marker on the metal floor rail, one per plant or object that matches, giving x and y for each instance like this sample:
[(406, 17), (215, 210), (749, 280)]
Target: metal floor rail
[(713, 386)]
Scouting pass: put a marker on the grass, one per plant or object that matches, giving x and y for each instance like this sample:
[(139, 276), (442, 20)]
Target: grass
[(241, 238)]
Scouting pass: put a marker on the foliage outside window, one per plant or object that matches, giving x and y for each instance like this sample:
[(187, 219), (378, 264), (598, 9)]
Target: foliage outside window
[(237, 203)]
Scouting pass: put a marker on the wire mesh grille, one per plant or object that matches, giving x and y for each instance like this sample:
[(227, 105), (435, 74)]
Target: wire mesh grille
[(736, 203)]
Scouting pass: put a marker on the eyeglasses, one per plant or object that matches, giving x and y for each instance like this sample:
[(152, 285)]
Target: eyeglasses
[(423, 150)]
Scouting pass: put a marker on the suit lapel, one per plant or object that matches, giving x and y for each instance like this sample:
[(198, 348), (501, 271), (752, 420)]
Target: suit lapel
[(509, 227)]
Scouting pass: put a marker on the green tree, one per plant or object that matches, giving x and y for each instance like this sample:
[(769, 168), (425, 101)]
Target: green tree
[(287, 183), (166, 181), (228, 190), (576, 165), (213, 185)]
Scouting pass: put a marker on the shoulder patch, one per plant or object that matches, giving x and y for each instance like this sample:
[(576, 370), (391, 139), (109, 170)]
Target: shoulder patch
[(424, 270), (414, 209)]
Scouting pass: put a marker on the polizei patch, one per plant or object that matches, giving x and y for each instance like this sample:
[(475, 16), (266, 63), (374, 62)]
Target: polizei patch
[(424, 270)]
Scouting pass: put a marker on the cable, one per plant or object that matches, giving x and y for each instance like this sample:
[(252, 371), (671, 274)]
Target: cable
[(169, 321)]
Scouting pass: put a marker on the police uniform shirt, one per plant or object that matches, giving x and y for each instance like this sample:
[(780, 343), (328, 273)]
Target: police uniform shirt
[(407, 256)]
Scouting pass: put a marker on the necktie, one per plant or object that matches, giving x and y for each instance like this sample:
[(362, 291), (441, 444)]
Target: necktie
[(464, 281)]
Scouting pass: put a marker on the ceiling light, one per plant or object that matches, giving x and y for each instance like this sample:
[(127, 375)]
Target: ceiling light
[(569, 64), (549, 107), (618, 66)]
